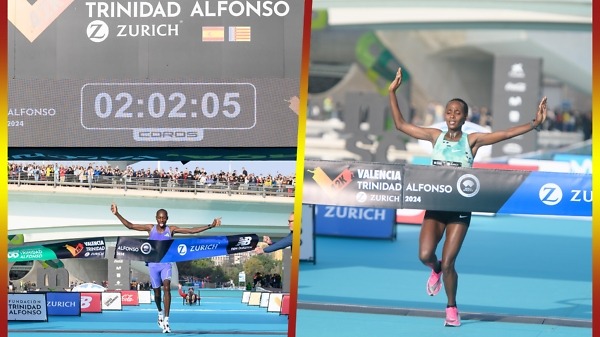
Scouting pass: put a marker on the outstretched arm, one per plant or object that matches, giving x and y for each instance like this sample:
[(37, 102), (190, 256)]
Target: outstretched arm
[(181, 293), (195, 230), (283, 243), (429, 134), (481, 139), (126, 223)]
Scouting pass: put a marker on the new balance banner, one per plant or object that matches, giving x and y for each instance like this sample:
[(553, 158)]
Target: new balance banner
[(187, 249), (91, 302), (403, 186), (352, 184), (82, 248)]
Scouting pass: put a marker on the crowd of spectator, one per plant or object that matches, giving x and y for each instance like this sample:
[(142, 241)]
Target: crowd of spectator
[(560, 118), (171, 177)]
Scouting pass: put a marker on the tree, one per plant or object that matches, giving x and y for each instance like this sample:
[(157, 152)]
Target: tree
[(263, 264), (197, 268), (232, 272)]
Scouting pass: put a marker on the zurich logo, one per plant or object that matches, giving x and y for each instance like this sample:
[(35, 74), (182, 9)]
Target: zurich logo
[(550, 194), (97, 31), (182, 249)]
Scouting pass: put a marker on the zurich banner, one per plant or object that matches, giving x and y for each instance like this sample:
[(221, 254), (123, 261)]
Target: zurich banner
[(355, 221), (552, 193), (187, 249), (63, 303)]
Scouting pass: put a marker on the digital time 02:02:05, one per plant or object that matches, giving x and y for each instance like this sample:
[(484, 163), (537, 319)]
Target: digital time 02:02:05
[(168, 105)]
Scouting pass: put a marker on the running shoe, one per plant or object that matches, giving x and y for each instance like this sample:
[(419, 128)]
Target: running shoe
[(452, 317), (160, 320), (434, 283), (166, 328)]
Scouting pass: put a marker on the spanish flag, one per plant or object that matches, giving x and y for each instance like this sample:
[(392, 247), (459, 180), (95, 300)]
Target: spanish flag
[(213, 33)]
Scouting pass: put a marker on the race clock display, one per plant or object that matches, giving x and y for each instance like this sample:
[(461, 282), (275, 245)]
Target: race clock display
[(154, 74), (168, 111)]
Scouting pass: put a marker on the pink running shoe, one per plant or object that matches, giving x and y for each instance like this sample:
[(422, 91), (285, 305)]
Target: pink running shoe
[(452, 317), (434, 283)]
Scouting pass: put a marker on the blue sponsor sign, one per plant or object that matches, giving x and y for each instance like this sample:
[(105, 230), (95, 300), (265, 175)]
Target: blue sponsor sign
[(183, 249), (63, 303), (355, 221), (193, 249), (552, 193)]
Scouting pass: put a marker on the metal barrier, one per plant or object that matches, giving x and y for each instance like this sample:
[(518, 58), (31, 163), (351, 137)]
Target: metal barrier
[(155, 184)]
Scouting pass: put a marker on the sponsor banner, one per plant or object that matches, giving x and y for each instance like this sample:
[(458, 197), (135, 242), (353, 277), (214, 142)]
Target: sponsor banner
[(458, 189), (264, 300), (245, 297), (30, 253), (129, 298), (187, 249), (355, 221), (91, 302), (81, 248), (352, 184), (241, 243), (111, 301), (307, 234), (578, 163), (257, 42), (454, 188), (410, 216), (552, 193), (285, 305), (141, 249), (501, 166), (119, 277), (254, 298), (144, 297), (515, 98), (63, 303), (543, 165), (27, 307), (275, 302)]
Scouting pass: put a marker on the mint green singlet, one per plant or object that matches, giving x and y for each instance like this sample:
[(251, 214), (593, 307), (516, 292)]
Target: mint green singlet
[(447, 153)]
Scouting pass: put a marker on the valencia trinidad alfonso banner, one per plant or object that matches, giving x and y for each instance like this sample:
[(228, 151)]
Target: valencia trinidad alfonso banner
[(81, 248), (352, 184), (403, 186), (187, 249)]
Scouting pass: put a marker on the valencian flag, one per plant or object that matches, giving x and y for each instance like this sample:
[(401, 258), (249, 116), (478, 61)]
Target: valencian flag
[(81, 248), (187, 249)]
